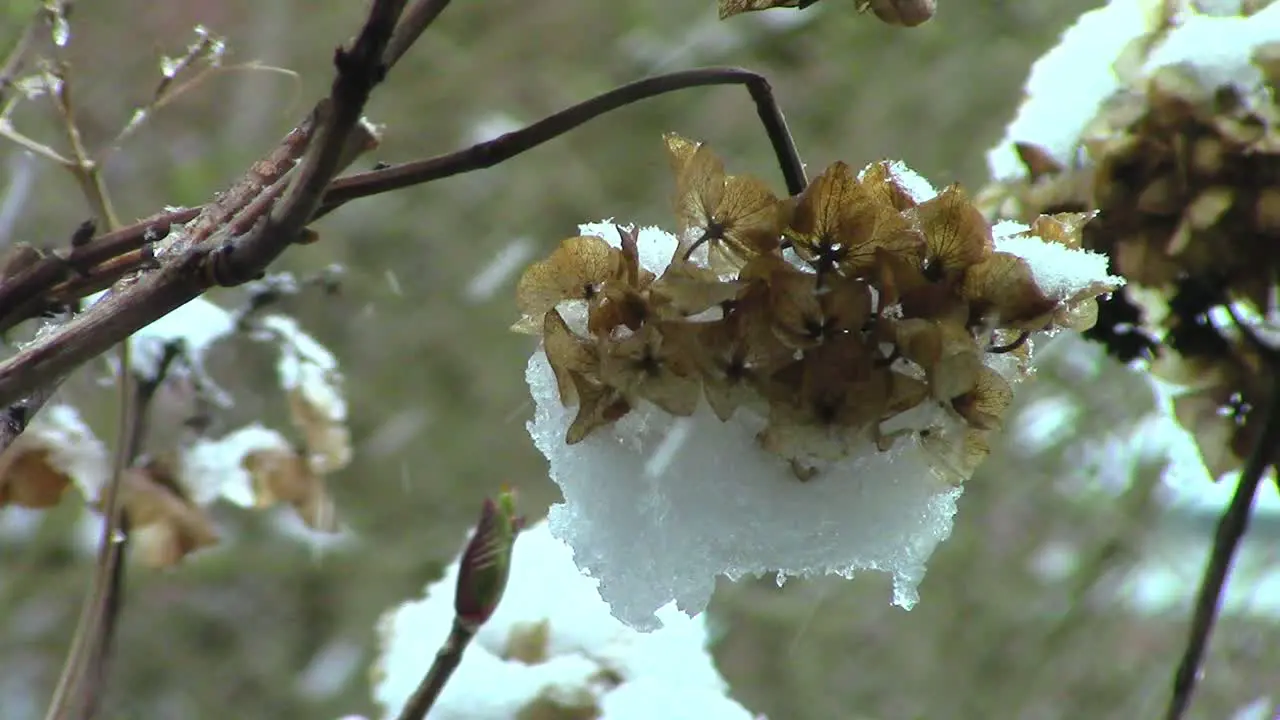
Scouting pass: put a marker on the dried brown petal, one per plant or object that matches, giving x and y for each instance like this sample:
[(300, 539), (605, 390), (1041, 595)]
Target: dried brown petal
[(576, 270), (845, 304), (1063, 228), (839, 221), (1200, 413), (643, 365), (28, 478), (879, 180), (737, 216), (166, 526), (686, 289), (729, 8), (904, 393), (955, 455), (328, 441), (984, 406), (956, 234), (796, 316), (566, 353), (598, 406), (907, 13), (528, 642), (1037, 160), (284, 476), (1004, 287)]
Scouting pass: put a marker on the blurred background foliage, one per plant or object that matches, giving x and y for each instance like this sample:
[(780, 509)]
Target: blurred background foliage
[(1063, 592)]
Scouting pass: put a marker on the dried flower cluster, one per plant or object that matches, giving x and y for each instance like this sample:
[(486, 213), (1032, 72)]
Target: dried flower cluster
[(908, 13), (832, 313), (1182, 162), (186, 467)]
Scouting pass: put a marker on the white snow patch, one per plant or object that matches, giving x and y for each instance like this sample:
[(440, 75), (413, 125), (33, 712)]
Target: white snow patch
[(667, 673)]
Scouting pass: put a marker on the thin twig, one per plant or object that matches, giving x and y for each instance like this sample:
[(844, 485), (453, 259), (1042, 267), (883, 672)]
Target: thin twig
[(97, 659), (1231, 529), (19, 296), (504, 147), (447, 660), (417, 18), (16, 60)]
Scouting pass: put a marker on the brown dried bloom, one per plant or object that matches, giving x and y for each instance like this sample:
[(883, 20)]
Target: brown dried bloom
[(884, 299), (737, 216), (907, 13), (1184, 175)]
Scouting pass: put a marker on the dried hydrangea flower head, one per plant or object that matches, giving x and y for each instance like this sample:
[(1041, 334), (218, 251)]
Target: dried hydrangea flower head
[(856, 345), (1181, 159)]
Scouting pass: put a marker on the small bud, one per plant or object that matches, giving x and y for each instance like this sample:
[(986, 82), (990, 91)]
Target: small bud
[(486, 562), (908, 13)]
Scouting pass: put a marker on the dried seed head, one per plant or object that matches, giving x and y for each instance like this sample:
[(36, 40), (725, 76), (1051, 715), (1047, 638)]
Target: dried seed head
[(886, 304)]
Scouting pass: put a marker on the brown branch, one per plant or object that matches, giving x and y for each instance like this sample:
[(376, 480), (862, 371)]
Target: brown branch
[(185, 268), (208, 250), (417, 18), (102, 634), (490, 153), (21, 296), (1231, 529), (360, 69)]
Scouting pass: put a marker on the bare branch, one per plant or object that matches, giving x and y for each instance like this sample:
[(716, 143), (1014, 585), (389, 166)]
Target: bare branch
[(490, 153), (417, 18), (1231, 529)]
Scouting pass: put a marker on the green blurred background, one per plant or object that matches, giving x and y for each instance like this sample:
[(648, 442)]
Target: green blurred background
[(1063, 592)]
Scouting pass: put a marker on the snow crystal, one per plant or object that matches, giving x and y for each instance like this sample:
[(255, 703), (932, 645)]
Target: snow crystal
[(547, 599)]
